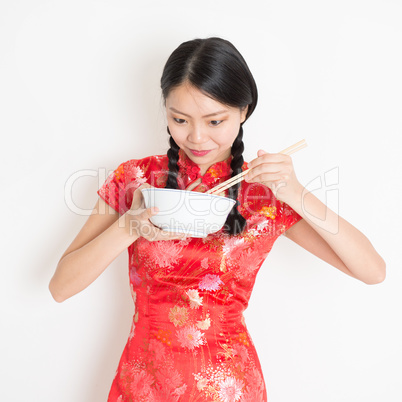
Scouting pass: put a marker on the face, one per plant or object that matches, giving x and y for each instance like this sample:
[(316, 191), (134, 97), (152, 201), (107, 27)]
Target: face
[(199, 123)]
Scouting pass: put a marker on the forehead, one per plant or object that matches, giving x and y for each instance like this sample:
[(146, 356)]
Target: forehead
[(190, 100)]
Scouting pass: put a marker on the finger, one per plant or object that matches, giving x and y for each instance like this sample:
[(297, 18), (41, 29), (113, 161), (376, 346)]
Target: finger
[(152, 211), (143, 185), (268, 177), (155, 233), (148, 232), (148, 213), (137, 199), (166, 235), (261, 169), (268, 158), (138, 192), (274, 177), (174, 236)]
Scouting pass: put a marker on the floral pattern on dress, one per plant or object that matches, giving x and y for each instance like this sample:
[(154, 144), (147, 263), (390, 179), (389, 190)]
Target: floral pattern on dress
[(189, 341), (194, 297), (178, 315), (210, 282), (190, 337), (230, 389)]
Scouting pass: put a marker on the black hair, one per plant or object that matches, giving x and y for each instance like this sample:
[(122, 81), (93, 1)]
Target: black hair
[(215, 67)]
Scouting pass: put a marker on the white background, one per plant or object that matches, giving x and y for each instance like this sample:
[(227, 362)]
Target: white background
[(80, 91)]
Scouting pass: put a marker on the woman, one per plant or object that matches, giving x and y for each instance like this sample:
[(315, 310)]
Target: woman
[(189, 341)]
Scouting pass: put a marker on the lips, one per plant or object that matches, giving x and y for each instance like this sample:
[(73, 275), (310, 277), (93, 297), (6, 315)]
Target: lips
[(199, 153)]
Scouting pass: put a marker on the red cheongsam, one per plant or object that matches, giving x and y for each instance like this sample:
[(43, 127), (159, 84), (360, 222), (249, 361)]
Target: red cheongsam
[(188, 340)]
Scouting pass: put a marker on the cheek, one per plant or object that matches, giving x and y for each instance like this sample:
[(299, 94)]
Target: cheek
[(230, 134), (178, 133)]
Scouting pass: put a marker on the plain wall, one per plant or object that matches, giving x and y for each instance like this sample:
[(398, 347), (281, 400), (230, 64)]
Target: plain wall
[(80, 94)]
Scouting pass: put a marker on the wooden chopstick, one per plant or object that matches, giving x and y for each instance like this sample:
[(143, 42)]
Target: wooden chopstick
[(240, 177), (288, 149), (230, 182)]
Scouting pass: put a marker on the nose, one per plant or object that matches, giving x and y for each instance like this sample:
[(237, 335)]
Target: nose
[(196, 135)]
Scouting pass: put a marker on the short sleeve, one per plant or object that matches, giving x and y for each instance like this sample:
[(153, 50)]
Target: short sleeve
[(117, 190), (287, 216), (259, 201)]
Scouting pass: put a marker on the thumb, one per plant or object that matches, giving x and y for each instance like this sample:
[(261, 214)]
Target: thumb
[(150, 212), (261, 152)]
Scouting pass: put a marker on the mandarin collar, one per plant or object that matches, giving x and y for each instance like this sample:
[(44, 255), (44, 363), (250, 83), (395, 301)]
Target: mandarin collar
[(215, 172)]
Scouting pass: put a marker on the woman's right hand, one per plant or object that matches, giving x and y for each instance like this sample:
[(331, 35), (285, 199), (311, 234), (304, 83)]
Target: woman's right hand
[(139, 225)]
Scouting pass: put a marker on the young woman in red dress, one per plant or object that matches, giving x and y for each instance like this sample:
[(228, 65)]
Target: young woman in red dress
[(188, 340)]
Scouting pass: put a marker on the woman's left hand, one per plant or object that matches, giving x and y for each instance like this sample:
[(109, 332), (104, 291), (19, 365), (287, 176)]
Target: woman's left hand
[(276, 172)]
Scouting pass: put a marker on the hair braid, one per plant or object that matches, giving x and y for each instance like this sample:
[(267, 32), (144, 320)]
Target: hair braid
[(216, 68), (235, 222), (173, 155)]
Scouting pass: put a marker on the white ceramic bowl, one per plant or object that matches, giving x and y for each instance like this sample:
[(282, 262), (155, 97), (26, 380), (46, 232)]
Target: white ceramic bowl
[(190, 212)]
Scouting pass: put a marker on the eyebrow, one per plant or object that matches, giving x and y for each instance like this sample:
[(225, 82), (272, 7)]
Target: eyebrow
[(207, 115)]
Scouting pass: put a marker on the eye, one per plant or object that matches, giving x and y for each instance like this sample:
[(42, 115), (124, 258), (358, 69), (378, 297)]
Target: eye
[(216, 122), (179, 121)]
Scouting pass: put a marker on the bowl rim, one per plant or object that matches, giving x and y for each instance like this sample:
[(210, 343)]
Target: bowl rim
[(188, 191)]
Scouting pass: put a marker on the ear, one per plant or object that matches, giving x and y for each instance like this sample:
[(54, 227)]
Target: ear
[(243, 113)]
